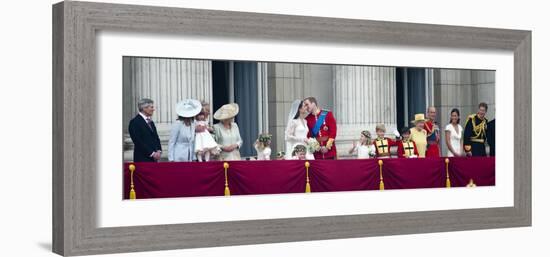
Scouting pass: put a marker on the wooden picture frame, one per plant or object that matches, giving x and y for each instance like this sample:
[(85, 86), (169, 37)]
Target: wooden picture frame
[(74, 131)]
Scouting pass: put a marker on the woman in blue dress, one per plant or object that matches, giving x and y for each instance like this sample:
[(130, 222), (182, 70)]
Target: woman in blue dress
[(181, 146)]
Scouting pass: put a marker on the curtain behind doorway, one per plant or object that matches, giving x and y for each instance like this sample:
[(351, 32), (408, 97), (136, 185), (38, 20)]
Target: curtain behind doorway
[(411, 94), (246, 95)]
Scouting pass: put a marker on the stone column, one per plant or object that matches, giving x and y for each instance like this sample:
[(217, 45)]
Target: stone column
[(166, 82), (285, 84), (363, 97), (288, 82), (464, 90), (359, 96)]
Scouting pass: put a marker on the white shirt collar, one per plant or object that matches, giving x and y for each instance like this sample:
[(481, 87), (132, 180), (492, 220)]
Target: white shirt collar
[(144, 116)]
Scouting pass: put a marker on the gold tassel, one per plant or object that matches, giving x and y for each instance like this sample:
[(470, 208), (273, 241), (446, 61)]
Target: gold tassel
[(132, 168), (226, 192), (308, 187), (380, 163), (448, 181)]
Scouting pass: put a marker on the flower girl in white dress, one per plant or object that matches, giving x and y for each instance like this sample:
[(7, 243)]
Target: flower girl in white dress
[(366, 149), (263, 148), (296, 130), (299, 152), (205, 145)]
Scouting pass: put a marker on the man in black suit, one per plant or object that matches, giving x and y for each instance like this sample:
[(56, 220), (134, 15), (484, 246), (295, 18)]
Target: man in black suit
[(144, 133)]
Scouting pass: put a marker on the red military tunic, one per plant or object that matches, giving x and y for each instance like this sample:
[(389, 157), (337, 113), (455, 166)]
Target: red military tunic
[(382, 146), (406, 149), (433, 140), (326, 135)]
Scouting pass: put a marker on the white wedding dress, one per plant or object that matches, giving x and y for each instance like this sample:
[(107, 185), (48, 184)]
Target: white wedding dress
[(296, 134)]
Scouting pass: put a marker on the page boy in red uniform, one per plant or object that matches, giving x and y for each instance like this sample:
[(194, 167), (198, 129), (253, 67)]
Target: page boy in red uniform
[(406, 148), (382, 143)]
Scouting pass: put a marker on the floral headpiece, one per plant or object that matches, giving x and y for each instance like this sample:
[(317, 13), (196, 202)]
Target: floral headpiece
[(366, 133), (263, 138)]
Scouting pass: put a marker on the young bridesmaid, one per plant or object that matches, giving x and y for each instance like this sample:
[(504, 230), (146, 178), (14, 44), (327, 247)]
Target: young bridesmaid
[(299, 152), (365, 150), (262, 147), (205, 145)]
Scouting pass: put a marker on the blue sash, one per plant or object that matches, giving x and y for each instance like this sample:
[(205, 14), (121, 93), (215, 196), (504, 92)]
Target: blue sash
[(320, 121), (432, 137)]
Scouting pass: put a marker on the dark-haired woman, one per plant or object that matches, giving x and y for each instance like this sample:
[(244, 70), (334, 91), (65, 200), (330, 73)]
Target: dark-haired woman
[(296, 129), (181, 146), (453, 135)]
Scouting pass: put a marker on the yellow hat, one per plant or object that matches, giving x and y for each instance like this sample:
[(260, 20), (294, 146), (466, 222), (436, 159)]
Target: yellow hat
[(418, 118)]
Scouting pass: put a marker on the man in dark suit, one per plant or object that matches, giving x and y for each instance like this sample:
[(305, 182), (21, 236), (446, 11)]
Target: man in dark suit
[(144, 133)]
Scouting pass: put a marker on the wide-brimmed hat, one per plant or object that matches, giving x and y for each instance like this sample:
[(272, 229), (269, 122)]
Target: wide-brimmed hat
[(188, 108), (227, 111), (419, 117)]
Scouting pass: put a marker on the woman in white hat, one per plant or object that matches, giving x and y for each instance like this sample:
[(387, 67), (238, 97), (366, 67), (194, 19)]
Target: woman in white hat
[(182, 137), (227, 132), (419, 135)]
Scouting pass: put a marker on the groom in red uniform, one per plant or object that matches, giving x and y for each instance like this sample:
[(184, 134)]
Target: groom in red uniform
[(322, 126)]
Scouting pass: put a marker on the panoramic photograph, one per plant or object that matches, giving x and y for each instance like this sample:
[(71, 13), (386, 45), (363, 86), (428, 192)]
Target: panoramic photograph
[(220, 127)]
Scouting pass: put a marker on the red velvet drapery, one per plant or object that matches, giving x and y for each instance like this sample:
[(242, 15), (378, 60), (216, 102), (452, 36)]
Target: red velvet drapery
[(185, 179)]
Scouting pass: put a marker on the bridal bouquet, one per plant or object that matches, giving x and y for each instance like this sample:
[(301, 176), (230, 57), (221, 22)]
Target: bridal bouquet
[(312, 145), (372, 152)]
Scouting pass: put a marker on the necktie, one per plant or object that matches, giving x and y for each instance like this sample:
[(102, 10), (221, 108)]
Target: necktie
[(150, 123)]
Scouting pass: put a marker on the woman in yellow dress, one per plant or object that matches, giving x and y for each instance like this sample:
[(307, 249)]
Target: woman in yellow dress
[(419, 134)]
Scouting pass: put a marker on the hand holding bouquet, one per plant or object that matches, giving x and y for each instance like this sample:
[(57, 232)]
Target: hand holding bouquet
[(312, 145)]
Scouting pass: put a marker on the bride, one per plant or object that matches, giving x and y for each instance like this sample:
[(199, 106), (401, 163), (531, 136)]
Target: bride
[(296, 129)]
